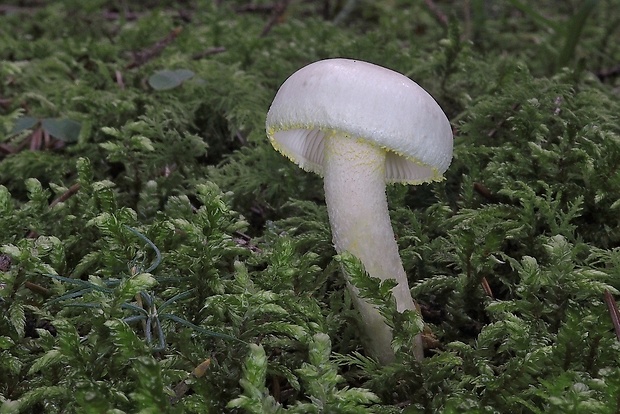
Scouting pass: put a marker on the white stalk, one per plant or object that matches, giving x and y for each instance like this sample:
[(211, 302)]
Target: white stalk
[(354, 177)]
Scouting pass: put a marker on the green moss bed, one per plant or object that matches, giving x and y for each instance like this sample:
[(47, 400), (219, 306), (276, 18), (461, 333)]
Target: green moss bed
[(158, 256)]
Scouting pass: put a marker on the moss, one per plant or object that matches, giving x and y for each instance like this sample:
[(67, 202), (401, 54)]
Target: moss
[(235, 239)]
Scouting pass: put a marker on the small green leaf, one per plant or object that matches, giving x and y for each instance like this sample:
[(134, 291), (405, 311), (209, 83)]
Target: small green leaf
[(66, 130), (50, 358), (23, 124), (169, 79)]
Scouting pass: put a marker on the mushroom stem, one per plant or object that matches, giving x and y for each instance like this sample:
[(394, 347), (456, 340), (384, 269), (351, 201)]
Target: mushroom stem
[(354, 177)]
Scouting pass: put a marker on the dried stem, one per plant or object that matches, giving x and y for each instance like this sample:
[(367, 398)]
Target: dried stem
[(276, 16), (612, 306), (486, 287), (439, 15), (143, 56)]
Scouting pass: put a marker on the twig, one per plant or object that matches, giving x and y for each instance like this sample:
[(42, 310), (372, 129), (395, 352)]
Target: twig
[(143, 56), (33, 287), (36, 139), (344, 13), (47, 139), (439, 15), (482, 190), (612, 307), (66, 195), (486, 287), (119, 79), (467, 30), (276, 17), (209, 52)]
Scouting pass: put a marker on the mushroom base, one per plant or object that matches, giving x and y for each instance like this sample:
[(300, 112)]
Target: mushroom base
[(354, 177)]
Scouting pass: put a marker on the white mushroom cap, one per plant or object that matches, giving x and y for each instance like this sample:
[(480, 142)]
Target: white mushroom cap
[(366, 101)]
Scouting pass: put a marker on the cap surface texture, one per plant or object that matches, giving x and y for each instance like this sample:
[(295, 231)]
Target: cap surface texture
[(364, 101)]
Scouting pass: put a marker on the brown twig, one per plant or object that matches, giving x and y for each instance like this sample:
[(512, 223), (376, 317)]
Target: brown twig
[(467, 24), (144, 55), (66, 195), (612, 307), (119, 79), (276, 17), (486, 287), (209, 52), (33, 287), (482, 190), (36, 139), (47, 139), (439, 15)]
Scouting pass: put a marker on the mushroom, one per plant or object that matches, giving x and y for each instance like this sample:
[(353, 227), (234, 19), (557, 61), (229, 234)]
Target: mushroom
[(361, 126)]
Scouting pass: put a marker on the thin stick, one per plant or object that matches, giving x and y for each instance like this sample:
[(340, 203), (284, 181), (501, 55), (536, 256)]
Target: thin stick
[(439, 15), (209, 52), (276, 17), (119, 79), (37, 289), (482, 190), (612, 306), (486, 287), (66, 195), (144, 55), (346, 11)]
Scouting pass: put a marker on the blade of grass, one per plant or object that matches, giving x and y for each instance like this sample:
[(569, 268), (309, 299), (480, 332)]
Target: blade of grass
[(573, 31), (535, 16)]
